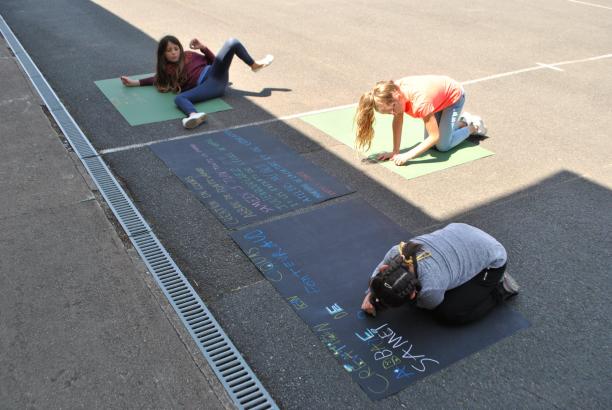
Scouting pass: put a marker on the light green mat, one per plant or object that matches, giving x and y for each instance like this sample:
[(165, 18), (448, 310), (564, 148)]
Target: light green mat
[(144, 105), (339, 125)]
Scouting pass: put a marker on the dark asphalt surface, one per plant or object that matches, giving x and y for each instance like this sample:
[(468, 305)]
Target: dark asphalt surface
[(546, 194)]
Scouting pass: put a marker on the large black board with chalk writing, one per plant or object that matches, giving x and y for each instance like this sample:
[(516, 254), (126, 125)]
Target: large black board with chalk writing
[(245, 175), (320, 262)]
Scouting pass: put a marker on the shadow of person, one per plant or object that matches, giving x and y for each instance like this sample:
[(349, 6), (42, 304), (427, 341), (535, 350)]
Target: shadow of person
[(265, 92), (436, 156), (475, 139)]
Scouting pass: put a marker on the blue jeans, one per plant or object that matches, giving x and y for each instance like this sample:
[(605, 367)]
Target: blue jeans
[(214, 78), (450, 136)]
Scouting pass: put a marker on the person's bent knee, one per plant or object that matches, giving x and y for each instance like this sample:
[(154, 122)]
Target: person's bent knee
[(443, 147), (232, 42)]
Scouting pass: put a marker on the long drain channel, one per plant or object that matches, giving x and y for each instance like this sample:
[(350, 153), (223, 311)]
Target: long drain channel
[(236, 376)]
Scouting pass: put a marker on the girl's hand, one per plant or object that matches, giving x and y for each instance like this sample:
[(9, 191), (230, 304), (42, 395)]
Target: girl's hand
[(128, 82), (195, 44), (367, 307), (385, 156), (401, 159)]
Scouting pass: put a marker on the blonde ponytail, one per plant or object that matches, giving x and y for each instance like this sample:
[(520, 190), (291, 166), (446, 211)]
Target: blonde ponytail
[(364, 118), (381, 94)]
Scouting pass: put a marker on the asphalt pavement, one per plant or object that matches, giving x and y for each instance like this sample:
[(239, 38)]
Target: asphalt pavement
[(545, 194)]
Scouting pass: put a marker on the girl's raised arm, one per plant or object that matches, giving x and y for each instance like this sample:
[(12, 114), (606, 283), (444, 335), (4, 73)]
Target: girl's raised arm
[(196, 44)]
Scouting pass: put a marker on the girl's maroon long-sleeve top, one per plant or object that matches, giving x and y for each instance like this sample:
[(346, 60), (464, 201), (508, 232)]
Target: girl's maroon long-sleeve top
[(194, 64)]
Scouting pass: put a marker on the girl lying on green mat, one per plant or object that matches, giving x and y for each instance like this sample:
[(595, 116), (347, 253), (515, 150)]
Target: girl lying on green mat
[(195, 77), (438, 100), (458, 272)]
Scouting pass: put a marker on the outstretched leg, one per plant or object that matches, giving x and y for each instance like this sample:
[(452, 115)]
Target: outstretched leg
[(209, 89)]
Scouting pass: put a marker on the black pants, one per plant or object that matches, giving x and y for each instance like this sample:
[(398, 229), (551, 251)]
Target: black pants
[(472, 300)]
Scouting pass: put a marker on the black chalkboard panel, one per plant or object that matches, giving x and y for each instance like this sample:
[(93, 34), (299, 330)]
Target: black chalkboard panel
[(320, 262), (245, 176)]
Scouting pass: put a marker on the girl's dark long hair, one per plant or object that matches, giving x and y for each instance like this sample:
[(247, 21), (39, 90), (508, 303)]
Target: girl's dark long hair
[(393, 286), (168, 75)]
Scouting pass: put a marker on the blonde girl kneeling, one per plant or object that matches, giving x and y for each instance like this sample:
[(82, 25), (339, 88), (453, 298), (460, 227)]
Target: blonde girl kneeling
[(437, 100)]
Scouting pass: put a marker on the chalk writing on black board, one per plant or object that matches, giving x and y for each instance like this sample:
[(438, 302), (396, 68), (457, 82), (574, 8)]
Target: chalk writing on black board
[(374, 382), (394, 343), (383, 354), (261, 178), (297, 303), (243, 179), (278, 258), (264, 265)]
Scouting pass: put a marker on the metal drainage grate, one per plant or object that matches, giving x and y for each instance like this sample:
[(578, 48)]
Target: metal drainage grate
[(53, 103), (240, 382), (73, 134), (128, 216)]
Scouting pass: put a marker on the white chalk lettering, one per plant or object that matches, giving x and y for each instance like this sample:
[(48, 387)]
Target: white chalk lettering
[(335, 308), (368, 334)]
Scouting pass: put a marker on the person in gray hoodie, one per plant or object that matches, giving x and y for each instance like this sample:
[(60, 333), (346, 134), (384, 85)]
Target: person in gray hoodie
[(458, 272)]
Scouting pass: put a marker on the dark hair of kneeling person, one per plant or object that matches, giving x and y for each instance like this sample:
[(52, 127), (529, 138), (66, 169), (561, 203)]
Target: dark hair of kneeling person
[(457, 272)]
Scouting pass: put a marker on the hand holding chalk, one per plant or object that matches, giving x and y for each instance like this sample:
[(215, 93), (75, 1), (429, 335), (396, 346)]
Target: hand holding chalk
[(367, 306)]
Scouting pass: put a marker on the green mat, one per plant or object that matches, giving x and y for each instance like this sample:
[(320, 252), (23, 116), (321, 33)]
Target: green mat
[(144, 105), (339, 125)]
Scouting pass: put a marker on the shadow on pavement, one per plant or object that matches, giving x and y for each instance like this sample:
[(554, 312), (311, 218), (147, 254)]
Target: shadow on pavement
[(556, 233)]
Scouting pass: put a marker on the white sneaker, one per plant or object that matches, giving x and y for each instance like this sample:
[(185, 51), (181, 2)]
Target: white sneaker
[(509, 286), (194, 119), (465, 117), (264, 62), (479, 124)]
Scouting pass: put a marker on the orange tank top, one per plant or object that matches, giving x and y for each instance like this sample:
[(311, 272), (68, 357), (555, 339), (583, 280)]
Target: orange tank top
[(428, 94)]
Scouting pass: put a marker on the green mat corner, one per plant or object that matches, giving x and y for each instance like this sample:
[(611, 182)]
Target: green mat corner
[(144, 105), (339, 125)]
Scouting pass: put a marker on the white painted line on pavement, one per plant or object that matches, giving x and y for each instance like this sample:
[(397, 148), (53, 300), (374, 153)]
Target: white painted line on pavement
[(601, 57), (549, 66), (590, 4), (251, 124), (506, 74), (540, 66)]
